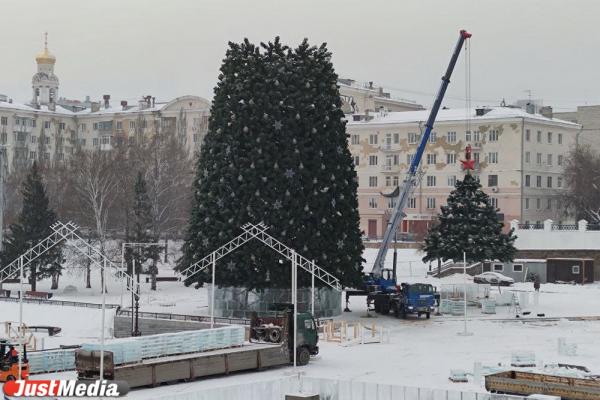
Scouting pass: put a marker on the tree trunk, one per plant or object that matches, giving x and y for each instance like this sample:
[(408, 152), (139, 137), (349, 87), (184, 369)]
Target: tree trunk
[(153, 273), (88, 270), (33, 277), (55, 277), (166, 248), (439, 274)]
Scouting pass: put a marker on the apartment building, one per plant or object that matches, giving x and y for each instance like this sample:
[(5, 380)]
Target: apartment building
[(518, 158), (360, 97), (46, 130)]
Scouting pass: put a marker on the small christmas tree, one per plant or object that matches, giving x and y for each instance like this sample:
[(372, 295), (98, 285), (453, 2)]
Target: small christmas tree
[(142, 229), (33, 225), (469, 223)]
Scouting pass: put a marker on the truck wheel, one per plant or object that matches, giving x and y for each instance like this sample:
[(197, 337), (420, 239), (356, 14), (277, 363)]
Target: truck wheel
[(396, 311), (275, 336), (403, 313), (302, 356), (385, 310), (428, 315), (10, 378)]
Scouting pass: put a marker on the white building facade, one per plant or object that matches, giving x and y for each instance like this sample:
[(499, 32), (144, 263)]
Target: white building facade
[(518, 158), (44, 130)]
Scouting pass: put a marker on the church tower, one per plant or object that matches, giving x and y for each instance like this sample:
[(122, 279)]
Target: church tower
[(44, 82)]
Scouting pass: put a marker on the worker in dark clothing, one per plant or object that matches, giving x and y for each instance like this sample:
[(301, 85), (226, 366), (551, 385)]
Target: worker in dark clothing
[(12, 355), (536, 283)]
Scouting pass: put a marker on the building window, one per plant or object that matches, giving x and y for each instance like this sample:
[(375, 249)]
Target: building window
[(409, 158), (493, 157), (373, 139), (575, 269), (372, 181), (412, 202), (356, 160), (372, 202), (538, 181), (430, 180), (493, 135), (451, 137), (452, 180), (3, 139), (95, 141), (46, 124), (451, 158), (498, 267), (391, 202), (355, 138), (549, 159), (47, 140), (468, 136), (372, 160), (549, 181), (517, 267), (431, 202), (60, 156), (433, 137), (119, 124), (559, 159), (527, 157), (527, 204), (61, 126), (494, 202), (549, 204), (413, 138), (550, 137), (539, 136), (396, 138), (492, 180), (82, 127), (388, 181), (82, 142), (539, 158), (4, 121), (33, 139), (431, 159), (131, 125), (32, 155), (559, 182), (476, 136), (538, 204), (560, 138), (95, 126), (476, 158), (396, 181), (527, 180), (527, 135)]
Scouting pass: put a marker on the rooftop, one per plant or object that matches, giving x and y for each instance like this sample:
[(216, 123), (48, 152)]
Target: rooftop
[(456, 114)]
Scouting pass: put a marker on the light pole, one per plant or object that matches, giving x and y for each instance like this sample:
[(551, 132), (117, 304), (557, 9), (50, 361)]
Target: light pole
[(135, 292), (20, 316), (295, 303), (465, 332)]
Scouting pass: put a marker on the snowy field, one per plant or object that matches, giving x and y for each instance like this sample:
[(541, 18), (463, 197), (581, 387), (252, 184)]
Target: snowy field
[(420, 352)]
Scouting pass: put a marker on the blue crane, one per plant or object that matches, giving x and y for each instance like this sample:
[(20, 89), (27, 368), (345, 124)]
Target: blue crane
[(386, 285)]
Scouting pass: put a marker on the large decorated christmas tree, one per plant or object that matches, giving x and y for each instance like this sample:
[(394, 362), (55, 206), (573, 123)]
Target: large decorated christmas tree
[(468, 223), (276, 151)]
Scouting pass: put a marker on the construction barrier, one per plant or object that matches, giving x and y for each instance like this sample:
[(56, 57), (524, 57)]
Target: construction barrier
[(349, 333), (327, 389)]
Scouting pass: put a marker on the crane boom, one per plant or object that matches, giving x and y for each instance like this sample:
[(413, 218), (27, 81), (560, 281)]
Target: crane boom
[(410, 181)]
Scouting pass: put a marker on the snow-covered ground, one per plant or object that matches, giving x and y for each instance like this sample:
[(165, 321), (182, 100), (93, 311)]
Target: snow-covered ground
[(420, 352)]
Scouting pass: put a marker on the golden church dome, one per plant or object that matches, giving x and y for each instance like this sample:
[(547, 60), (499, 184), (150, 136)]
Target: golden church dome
[(45, 57)]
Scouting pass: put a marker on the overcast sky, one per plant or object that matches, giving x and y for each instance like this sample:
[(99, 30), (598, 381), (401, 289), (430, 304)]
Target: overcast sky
[(169, 48)]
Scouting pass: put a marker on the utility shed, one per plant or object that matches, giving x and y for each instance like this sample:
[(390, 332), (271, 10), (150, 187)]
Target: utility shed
[(521, 270), (578, 270)]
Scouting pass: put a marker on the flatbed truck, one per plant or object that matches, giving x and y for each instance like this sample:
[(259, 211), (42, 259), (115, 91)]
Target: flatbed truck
[(256, 355)]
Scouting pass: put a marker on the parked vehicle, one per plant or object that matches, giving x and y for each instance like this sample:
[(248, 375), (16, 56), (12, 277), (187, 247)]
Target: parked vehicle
[(416, 298), (9, 368), (272, 344), (524, 383), (493, 278)]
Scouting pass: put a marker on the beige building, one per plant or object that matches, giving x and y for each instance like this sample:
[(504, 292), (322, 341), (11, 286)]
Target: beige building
[(43, 129), (364, 97), (519, 159), (589, 119)]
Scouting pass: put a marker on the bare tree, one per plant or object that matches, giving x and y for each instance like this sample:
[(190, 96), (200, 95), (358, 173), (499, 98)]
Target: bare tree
[(582, 181), (95, 182)]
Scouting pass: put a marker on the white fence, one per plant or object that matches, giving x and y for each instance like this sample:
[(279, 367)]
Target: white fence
[(550, 236), (329, 389)]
